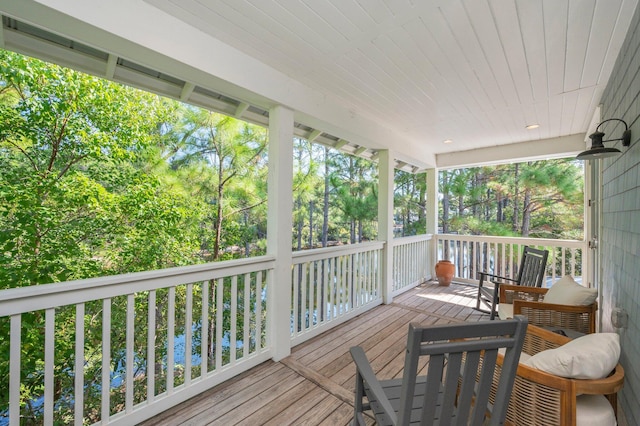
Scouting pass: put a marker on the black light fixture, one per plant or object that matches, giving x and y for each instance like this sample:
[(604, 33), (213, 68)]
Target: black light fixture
[(598, 150)]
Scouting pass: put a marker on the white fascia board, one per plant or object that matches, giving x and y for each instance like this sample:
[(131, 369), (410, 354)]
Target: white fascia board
[(146, 35), (542, 149)]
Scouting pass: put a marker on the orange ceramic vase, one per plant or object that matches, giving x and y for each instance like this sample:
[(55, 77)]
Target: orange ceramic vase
[(444, 272)]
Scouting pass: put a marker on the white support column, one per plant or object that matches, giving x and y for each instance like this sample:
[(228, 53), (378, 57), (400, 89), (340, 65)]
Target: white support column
[(279, 228), (385, 221), (432, 216), (432, 201)]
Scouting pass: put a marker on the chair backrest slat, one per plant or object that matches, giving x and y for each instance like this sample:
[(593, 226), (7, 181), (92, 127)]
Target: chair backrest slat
[(462, 362), (532, 267)]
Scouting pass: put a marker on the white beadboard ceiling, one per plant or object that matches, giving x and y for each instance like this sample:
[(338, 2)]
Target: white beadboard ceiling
[(474, 71), (372, 74)]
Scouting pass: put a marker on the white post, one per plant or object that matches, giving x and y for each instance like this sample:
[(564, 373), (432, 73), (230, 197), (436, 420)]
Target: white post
[(385, 221), (432, 218), (432, 201), (279, 229)]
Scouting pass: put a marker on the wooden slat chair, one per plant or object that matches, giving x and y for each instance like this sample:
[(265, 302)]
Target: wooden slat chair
[(529, 302), (540, 398), (453, 391), (531, 273)]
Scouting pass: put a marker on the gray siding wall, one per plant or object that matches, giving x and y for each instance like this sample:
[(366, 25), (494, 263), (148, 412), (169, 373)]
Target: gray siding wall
[(620, 239)]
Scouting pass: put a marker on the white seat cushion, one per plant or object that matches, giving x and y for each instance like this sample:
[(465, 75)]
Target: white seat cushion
[(594, 410), (505, 311), (566, 291)]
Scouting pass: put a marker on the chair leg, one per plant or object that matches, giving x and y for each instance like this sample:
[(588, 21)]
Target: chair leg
[(494, 309), (479, 297)]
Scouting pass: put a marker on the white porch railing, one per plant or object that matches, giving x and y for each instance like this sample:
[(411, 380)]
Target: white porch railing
[(192, 327), (332, 285), (200, 325), (412, 262), (501, 255)]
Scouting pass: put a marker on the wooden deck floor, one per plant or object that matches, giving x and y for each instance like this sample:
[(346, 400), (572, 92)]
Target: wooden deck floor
[(314, 386)]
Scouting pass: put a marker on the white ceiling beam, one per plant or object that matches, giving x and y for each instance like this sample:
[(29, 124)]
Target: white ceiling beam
[(314, 135), (340, 143), (241, 109), (360, 150), (112, 61), (543, 149), (187, 90)]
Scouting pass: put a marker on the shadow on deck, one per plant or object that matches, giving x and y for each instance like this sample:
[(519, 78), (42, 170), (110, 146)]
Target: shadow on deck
[(314, 386)]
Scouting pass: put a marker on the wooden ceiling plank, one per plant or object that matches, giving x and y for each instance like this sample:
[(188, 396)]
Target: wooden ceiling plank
[(327, 11), (485, 30), (351, 88), (283, 21), (588, 99), (555, 16), (599, 41), (387, 72), (356, 15), (466, 39), (314, 21), (578, 29), (554, 118), (450, 52), (378, 10), (569, 105), (505, 16), (531, 21), (218, 19)]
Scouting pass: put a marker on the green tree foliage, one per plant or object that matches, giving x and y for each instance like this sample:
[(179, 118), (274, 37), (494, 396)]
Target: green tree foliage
[(73, 203), (355, 181), (410, 201), (225, 160), (541, 199), (92, 184)]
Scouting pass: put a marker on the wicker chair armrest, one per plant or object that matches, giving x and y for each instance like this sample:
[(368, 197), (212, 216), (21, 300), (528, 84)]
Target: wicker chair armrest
[(611, 384), (510, 292)]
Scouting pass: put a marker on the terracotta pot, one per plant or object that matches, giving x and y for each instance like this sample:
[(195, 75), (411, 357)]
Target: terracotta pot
[(444, 272)]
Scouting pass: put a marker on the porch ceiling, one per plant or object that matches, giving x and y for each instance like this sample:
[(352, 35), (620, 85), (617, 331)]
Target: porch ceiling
[(403, 74)]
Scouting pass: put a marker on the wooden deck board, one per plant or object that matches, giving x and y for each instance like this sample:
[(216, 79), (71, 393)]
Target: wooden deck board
[(314, 386)]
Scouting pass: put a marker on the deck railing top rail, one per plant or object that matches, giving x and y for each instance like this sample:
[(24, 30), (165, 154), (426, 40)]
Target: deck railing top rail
[(325, 252), (25, 299), (513, 240)]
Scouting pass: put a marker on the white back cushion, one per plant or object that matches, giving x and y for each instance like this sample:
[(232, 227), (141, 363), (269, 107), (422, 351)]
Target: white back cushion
[(592, 356), (566, 291)]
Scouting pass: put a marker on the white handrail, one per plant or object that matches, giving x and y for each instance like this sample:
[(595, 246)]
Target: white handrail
[(501, 255), (17, 300)]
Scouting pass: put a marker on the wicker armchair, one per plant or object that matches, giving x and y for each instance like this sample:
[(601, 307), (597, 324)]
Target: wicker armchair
[(539, 398), (528, 301)]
